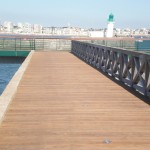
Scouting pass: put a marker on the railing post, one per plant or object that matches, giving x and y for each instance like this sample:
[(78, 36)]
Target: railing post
[(3, 42), (147, 74), (121, 67), (34, 43), (133, 70), (15, 47), (20, 43), (43, 43), (137, 45)]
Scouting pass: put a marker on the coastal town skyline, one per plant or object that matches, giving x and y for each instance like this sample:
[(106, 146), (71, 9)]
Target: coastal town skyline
[(28, 28), (84, 14)]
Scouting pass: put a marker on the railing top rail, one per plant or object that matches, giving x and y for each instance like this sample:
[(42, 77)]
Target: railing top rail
[(122, 50)]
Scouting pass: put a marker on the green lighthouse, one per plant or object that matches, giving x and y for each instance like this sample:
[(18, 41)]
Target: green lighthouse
[(110, 26), (111, 18)]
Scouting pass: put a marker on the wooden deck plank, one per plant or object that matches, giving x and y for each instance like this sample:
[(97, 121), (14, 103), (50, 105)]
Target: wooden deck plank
[(64, 104)]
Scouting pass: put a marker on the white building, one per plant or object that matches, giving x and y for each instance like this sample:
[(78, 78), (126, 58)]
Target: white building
[(46, 30), (19, 28), (8, 27), (27, 28), (20, 25), (66, 31), (110, 26), (51, 30), (96, 34), (37, 28)]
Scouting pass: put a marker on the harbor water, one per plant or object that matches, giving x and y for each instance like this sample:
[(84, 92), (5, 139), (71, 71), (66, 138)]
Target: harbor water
[(8, 67)]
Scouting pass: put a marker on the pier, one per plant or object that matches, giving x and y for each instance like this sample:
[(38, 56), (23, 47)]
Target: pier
[(62, 102)]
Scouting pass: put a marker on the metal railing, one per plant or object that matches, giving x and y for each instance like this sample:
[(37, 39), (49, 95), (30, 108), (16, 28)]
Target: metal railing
[(35, 43), (15, 44), (129, 67), (126, 43)]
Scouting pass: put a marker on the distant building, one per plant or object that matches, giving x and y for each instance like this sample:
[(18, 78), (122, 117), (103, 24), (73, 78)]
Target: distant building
[(110, 31), (8, 27), (46, 30), (37, 28), (1, 28), (96, 34), (27, 28), (110, 26), (18, 28)]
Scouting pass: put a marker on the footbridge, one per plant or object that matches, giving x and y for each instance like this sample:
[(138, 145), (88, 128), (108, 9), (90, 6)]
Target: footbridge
[(94, 98)]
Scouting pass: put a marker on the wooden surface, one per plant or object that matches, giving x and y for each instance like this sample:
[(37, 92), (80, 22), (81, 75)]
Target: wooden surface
[(64, 104)]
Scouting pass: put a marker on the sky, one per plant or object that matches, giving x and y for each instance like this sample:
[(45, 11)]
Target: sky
[(77, 13)]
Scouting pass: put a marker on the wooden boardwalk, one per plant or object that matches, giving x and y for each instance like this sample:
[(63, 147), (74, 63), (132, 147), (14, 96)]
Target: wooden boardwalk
[(64, 104)]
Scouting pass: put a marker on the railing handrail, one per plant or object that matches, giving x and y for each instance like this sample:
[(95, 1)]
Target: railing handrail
[(119, 49), (132, 68)]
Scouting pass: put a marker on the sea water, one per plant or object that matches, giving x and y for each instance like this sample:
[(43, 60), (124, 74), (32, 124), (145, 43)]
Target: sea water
[(8, 67), (7, 71), (142, 45)]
